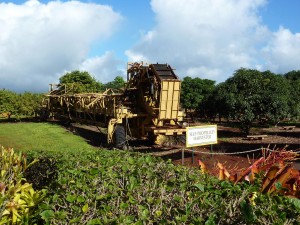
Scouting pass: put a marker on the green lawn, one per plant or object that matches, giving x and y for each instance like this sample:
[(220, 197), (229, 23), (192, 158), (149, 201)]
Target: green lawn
[(44, 137)]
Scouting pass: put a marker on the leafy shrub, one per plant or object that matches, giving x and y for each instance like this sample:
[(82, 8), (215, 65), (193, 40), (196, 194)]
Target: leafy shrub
[(17, 198), (115, 187), (42, 172)]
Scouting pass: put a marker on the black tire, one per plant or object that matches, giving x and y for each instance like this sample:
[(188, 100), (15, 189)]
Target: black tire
[(44, 114), (119, 137)]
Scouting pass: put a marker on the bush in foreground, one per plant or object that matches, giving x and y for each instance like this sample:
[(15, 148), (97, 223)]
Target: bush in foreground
[(114, 187), (18, 200)]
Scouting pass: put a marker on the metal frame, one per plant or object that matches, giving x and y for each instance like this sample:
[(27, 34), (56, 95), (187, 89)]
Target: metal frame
[(148, 105)]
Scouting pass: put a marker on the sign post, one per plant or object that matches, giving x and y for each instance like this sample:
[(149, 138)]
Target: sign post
[(199, 136)]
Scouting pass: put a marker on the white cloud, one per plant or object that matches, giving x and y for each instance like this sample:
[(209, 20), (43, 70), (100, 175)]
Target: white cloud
[(283, 51), (211, 39), (103, 68), (39, 41)]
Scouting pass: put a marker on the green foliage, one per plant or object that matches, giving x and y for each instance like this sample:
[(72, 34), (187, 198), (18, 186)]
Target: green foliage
[(25, 104), (8, 102), (293, 75), (117, 83), (81, 81), (275, 98), (41, 173), (219, 102), (293, 78), (117, 187), (246, 88), (18, 199), (77, 77), (252, 96), (29, 103), (249, 96), (194, 91)]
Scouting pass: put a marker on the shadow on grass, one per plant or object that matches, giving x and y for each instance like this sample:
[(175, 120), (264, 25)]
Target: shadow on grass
[(94, 138)]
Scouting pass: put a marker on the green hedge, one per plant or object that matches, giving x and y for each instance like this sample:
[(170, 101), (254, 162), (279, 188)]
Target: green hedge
[(116, 187)]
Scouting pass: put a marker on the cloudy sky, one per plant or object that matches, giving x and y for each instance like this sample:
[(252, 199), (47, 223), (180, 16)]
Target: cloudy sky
[(42, 40)]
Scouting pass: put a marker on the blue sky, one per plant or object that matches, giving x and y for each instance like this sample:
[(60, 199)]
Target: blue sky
[(42, 40), (282, 13)]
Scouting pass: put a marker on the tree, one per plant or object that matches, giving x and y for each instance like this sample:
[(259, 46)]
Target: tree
[(8, 102), (194, 91), (220, 102), (117, 83), (254, 96), (81, 81), (274, 106), (293, 77), (30, 103), (25, 104)]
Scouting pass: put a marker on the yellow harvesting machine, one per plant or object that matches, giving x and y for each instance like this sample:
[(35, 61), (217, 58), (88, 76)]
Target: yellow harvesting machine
[(147, 107)]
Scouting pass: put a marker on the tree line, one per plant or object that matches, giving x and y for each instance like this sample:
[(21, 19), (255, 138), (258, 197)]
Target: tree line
[(248, 97), (19, 105)]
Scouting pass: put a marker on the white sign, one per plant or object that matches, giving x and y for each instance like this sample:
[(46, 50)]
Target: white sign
[(201, 135)]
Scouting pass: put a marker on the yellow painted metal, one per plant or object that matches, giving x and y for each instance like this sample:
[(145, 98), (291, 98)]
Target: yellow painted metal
[(170, 131), (110, 130), (169, 100), (150, 103)]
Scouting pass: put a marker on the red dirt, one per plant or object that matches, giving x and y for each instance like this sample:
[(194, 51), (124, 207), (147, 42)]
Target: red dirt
[(230, 140)]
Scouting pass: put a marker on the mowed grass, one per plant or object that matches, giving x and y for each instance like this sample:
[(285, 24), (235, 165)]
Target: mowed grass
[(41, 137)]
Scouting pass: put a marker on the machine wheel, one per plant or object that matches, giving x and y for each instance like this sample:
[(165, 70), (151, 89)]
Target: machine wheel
[(44, 114), (119, 137)]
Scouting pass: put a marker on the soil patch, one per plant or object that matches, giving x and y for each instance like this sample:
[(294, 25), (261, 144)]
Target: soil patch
[(230, 140)]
